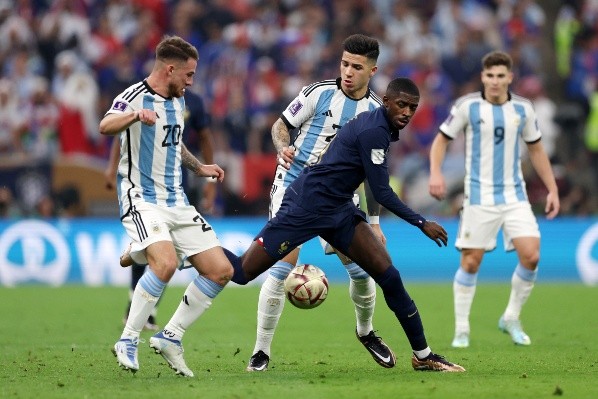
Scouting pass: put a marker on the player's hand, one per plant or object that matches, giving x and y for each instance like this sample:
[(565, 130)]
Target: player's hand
[(146, 116), (437, 186), (213, 170), (378, 233), (553, 205), (110, 179), (435, 232), (285, 157)]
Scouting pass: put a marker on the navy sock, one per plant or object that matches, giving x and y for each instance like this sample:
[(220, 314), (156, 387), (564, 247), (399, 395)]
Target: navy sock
[(238, 274), (399, 301)]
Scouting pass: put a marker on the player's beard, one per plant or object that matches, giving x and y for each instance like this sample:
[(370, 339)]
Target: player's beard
[(174, 91)]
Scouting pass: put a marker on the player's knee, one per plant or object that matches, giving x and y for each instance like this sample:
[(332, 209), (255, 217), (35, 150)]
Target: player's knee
[(530, 259)]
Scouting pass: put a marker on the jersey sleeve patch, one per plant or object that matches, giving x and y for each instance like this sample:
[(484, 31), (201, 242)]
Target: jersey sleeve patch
[(120, 106), (378, 156), (295, 107)]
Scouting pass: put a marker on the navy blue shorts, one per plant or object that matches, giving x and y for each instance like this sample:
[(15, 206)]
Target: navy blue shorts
[(293, 225)]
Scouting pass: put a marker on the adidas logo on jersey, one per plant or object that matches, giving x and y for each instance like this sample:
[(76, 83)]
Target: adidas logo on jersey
[(327, 113)]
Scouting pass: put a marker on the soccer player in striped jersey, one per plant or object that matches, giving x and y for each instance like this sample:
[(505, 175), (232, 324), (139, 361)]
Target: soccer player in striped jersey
[(319, 203), (318, 112), (494, 120), (165, 230), (196, 135)]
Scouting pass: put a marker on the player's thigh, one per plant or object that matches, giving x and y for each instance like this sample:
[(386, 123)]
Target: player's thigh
[(478, 227), (519, 221)]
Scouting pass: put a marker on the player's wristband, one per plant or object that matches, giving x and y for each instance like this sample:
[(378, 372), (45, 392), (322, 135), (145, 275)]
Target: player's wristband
[(374, 219)]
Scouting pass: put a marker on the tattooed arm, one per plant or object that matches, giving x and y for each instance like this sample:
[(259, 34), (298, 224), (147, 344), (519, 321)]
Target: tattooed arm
[(281, 137), (192, 163)]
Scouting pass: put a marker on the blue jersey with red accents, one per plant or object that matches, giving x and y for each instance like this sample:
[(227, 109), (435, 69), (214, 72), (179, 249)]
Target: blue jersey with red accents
[(356, 153)]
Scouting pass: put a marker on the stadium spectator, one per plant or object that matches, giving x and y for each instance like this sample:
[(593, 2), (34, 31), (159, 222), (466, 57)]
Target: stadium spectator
[(38, 138), (11, 119), (495, 195), (166, 231)]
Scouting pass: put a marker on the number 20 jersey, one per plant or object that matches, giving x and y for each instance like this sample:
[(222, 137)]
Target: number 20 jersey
[(150, 163), (319, 111), (492, 163)]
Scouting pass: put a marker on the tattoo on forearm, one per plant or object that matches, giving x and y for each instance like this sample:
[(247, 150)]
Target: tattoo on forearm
[(280, 135), (189, 161)]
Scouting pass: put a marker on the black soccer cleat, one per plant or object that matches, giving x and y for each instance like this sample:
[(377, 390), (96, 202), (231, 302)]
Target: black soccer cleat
[(258, 362), (435, 362), (381, 353)]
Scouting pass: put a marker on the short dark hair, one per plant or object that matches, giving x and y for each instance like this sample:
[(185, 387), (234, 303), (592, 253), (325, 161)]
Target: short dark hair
[(404, 85), (175, 48), (495, 58), (362, 45)]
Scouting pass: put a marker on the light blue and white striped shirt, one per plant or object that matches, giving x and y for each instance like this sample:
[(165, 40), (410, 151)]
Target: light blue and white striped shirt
[(319, 111), (150, 163), (492, 138)]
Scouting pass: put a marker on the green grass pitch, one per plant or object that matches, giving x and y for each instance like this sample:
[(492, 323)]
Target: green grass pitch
[(55, 343)]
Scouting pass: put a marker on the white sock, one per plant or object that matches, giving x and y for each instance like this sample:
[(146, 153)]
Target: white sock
[(193, 305), (269, 309), (464, 285), (363, 294), (424, 353), (142, 305), (522, 283)]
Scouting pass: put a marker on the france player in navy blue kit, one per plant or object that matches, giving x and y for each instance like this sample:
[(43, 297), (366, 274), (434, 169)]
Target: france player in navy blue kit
[(319, 203)]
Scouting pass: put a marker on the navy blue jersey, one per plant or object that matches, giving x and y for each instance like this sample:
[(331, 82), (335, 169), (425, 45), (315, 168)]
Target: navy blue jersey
[(196, 119), (357, 152)]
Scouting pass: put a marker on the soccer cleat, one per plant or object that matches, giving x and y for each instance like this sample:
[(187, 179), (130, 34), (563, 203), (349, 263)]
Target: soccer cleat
[(125, 351), (258, 362), (514, 329), (381, 353), (434, 362), (461, 340), (172, 351)]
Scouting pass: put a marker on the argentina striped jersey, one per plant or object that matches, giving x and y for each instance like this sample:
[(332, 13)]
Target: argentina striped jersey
[(319, 111), (492, 138), (150, 163)]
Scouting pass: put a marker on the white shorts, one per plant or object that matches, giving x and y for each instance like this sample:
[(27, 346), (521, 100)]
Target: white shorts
[(479, 225), (189, 232)]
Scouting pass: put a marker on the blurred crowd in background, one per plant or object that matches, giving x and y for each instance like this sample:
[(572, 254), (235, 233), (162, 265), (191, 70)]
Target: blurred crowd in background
[(63, 62)]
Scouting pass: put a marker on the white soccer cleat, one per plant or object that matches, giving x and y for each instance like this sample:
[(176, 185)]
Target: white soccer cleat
[(125, 351), (172, 351), (461, 340), (514, 329)]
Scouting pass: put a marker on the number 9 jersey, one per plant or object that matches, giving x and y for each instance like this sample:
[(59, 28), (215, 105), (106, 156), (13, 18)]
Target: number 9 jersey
[(492, 163), (150, 164)]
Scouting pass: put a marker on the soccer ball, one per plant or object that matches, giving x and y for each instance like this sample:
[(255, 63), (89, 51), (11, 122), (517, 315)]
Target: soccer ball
[(306, 286)]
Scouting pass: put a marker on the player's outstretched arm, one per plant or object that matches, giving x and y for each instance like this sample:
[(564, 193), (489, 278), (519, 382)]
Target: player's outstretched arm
[(435, 232)]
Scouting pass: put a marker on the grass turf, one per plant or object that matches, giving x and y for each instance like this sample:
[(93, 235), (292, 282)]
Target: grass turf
[(55, 343)]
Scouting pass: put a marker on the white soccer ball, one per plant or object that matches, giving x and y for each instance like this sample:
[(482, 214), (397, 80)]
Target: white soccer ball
[(306, 286)]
